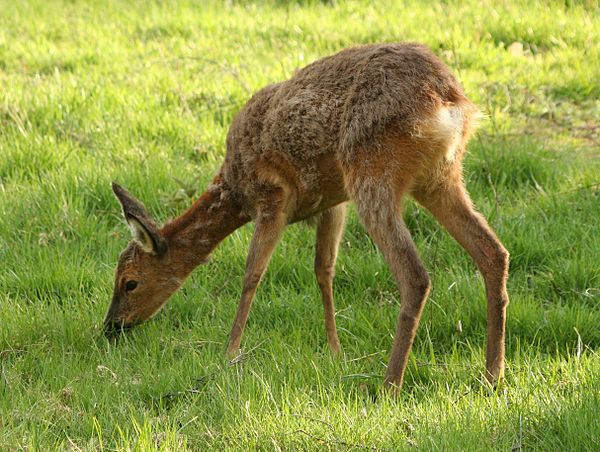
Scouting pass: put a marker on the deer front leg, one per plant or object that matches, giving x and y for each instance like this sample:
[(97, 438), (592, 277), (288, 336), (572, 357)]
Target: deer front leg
[(268, 230), (329, 234)]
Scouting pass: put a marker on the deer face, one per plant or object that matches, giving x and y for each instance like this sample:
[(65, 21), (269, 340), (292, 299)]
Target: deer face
[(144, 278)]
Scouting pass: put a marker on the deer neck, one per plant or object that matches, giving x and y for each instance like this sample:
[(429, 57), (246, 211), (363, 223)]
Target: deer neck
[(196, 233)]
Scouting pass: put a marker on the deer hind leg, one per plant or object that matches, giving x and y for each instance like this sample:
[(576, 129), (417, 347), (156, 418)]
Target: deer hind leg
[(449, 202), (378, 198), (329, 234), (269, 226)]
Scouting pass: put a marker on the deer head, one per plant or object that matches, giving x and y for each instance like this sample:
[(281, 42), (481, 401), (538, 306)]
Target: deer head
[(145, 277)]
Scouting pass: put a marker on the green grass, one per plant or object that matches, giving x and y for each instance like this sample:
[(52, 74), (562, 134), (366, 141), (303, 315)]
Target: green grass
[(143, 92)]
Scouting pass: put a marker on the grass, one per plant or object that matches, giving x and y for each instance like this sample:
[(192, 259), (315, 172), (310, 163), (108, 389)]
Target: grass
[(143, 92)]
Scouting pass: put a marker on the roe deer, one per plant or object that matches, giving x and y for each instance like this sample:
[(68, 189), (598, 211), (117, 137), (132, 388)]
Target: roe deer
[(369, 124)]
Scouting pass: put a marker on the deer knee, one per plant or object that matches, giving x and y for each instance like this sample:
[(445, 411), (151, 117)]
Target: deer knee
[(418, 286), (498, 261), (413, 300), (502, 259), (324, 273), (421, 284), (251, 281)]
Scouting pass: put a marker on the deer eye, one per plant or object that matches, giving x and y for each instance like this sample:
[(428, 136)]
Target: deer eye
[(130, 285)]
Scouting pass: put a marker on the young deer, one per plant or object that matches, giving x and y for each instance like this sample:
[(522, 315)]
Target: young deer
[(370, 124)]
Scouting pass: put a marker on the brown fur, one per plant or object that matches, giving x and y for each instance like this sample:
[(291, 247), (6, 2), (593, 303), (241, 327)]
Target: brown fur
[(369, 124)]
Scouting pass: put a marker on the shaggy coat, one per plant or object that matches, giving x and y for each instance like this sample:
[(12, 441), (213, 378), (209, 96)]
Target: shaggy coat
[(370, 124)]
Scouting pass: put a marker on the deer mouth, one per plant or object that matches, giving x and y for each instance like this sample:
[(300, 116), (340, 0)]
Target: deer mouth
[(115, 328)]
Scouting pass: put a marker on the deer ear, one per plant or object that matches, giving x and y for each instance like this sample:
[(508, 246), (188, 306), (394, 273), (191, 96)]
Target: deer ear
[(147, 237), (143, 228)]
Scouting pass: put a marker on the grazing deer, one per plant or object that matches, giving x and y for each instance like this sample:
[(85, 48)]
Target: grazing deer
[(370, 124)]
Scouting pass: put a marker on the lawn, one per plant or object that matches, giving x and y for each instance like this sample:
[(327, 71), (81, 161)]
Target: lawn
[(143, 93)]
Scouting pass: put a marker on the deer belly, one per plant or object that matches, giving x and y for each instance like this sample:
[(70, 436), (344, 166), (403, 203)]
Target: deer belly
[(321, 187)]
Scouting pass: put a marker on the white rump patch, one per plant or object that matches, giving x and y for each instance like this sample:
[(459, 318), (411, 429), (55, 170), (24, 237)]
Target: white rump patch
[(447, 127)]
